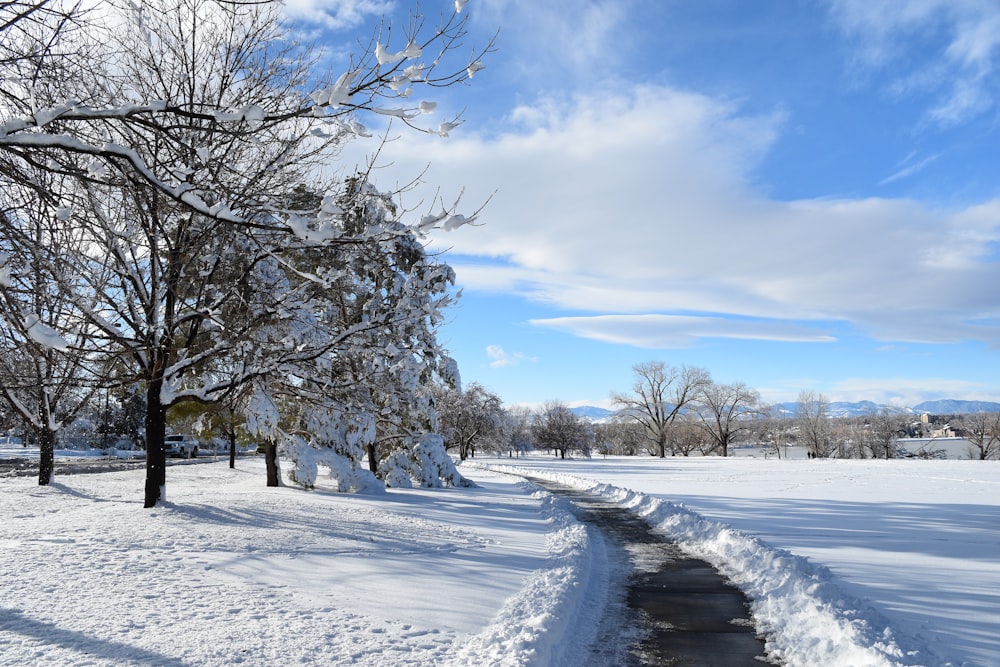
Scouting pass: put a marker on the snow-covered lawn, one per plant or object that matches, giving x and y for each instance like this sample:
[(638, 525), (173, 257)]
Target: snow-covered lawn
[(849, 562), (231, 572), (902, 555)]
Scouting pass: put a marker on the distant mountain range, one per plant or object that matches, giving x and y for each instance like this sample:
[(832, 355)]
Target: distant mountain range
[(841, 409)]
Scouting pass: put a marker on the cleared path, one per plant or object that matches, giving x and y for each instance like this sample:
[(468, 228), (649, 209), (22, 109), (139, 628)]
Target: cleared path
[(692, 615)]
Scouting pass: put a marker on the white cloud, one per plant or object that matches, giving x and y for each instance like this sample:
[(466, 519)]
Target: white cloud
[(641, 202)]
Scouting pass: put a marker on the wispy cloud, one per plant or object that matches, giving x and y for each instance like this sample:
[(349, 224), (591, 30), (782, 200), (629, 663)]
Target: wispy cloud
[(500, 358), (560, 38), (336, 14), (908, 167), (949, 49), (674, 331)]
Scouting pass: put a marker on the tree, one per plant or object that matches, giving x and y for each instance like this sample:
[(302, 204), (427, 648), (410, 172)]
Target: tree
[(228, 418), (620, 436), (659, 393), (202, 122), (771, 431), (41, 378), (814, 423), (557, 428), (517, 430), (467, 417), (724, 411), (367, 391), (687, 435), (982, 429), (884, 429)]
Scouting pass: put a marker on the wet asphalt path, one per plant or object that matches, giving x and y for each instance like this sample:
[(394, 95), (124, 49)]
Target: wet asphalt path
[(692, 616)]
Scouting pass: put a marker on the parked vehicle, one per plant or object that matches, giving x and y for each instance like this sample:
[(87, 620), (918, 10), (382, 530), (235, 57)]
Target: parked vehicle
[(184, 446)]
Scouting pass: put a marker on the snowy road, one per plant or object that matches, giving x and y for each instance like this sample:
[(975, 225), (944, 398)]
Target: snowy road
[(677, 610)]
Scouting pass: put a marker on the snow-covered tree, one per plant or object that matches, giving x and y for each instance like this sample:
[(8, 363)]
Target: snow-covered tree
[(43, 378), (378, 308), (189, 130)]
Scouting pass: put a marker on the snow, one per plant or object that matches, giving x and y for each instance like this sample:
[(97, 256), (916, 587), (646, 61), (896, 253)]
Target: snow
[(43, 334), (847, 562)]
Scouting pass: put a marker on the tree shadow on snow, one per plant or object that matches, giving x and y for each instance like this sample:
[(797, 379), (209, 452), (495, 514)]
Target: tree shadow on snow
[(47, 634)]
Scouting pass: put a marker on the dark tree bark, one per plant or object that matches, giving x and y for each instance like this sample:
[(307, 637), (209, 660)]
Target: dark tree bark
[(156, 456), (46, 456), (271, 461)]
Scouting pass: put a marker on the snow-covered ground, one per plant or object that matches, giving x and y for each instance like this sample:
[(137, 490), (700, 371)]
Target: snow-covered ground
[(230, 572), (849, 563)]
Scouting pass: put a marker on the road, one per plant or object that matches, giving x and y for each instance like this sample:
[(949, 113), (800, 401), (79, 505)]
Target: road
[(689, 614)]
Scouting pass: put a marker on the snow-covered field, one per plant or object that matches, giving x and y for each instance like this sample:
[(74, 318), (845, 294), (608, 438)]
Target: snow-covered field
[(849, 563), (903, 556)]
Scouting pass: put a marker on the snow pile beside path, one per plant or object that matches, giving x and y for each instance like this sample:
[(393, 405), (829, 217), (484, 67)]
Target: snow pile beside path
[(807, 619), (539, 624)]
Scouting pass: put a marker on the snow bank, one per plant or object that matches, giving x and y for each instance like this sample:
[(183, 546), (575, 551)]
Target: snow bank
[(542, 624), (807, 619)]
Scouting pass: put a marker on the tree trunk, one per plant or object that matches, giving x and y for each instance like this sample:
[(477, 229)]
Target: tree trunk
[(372, 459), (232, 450), (271, 462), (46, 456), (156, 456)]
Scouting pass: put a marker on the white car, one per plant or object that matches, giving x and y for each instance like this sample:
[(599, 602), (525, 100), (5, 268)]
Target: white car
[(184, 446)]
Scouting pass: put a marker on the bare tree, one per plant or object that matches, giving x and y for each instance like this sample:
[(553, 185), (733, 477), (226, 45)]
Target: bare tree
[(885, 429), (724, 411), (814, 423), (687, 436), (468, 417), (558, 429), (982, 429), (771, 430), (620, 437), (517, 430), (659, 393)]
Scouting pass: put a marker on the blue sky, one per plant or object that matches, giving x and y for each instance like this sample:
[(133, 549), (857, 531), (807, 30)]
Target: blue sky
[(794, 194)]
